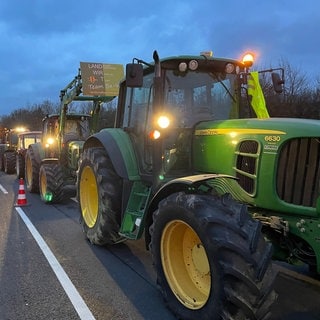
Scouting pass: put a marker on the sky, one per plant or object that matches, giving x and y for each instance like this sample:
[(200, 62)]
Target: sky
[(42, 42)]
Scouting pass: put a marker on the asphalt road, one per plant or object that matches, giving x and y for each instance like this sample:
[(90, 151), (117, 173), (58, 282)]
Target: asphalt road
[(91, 282)]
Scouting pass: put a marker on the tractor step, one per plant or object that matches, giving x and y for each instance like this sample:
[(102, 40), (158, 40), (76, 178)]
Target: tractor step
[(132, 222)]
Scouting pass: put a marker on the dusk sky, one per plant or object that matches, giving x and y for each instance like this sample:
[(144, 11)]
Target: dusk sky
[(43, 41)]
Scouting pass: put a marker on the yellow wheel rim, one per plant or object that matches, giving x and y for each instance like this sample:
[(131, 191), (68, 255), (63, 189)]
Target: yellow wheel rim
[(43, 185), (89, 197), (28, 173), (185, 264)]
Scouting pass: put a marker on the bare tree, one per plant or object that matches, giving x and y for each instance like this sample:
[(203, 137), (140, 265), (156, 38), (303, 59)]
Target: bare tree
[(30, 117), (299, 98), (296, 83)]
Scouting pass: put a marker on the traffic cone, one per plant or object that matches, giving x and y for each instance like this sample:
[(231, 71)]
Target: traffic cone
[(22, 199)]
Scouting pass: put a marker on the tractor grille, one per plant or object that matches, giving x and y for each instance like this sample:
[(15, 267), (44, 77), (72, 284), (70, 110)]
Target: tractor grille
[(298, 171), (246, 164)]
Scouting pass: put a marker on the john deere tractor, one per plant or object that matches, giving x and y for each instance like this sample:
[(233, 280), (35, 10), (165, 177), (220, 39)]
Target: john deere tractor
[(8, 149), (24, 140), (216, 187), (51, 165)]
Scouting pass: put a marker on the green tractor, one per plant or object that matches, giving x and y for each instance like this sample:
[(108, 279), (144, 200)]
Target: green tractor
[(8, 149), (24, 140), (50, 166), (215, 186)]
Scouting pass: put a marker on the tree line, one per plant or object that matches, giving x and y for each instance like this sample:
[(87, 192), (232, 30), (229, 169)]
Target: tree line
[(300, 97), (31, 117)]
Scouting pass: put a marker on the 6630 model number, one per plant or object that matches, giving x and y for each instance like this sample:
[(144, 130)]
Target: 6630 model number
[(272, 138)]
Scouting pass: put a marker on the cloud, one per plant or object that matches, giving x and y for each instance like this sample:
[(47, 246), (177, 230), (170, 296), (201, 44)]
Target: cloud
[(44, 41)]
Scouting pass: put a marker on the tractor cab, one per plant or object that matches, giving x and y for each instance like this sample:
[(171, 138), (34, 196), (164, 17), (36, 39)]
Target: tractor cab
[(56, 137), (76, 129), (160, 108)]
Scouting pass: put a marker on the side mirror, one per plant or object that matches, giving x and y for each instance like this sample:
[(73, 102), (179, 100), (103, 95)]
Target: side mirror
[(134, 75), (277, 82)]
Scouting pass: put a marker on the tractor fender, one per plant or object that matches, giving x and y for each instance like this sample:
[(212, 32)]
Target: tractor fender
[(183, 184), (187, 184), (119, 148), (51, 161)]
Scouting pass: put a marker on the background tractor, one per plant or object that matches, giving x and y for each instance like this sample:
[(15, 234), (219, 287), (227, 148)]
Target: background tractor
[(52, 164), (8, 149), (24, 140)]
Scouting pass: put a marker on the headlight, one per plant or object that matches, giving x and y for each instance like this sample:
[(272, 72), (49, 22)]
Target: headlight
[(50, 142), (154, 134), (163, 122)]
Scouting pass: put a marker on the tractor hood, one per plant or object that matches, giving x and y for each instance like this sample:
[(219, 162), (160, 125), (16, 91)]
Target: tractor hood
[(278, 157), (282, 126)]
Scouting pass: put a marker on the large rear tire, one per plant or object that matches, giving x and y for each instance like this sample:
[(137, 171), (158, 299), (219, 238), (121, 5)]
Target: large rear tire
[(211, 259), (1, 158), (20, 166), (51, 184), (99, 191), (32, 168), (1, 163), (9, 162)]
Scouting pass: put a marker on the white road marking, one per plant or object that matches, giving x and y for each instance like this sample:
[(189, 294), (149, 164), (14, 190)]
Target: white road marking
[(73, 294), (3, 189)]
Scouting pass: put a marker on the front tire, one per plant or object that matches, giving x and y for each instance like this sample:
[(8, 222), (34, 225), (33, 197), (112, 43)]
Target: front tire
[(32, 168), (99, 191), (20, 166), (211, 259), (51, 184), (9, 162)]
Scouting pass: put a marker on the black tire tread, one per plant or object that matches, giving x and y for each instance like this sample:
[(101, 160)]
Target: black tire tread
[(240, 252), (105, 231), (20, 166), (10, 162), (32, 183), (55, 182)]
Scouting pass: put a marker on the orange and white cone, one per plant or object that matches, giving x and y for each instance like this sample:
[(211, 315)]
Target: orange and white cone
[(22, 199)]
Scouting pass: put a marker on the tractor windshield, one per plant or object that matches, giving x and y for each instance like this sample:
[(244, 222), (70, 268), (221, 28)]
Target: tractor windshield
[(187, 99), (76, 129), (26, 139), (200, 96)]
